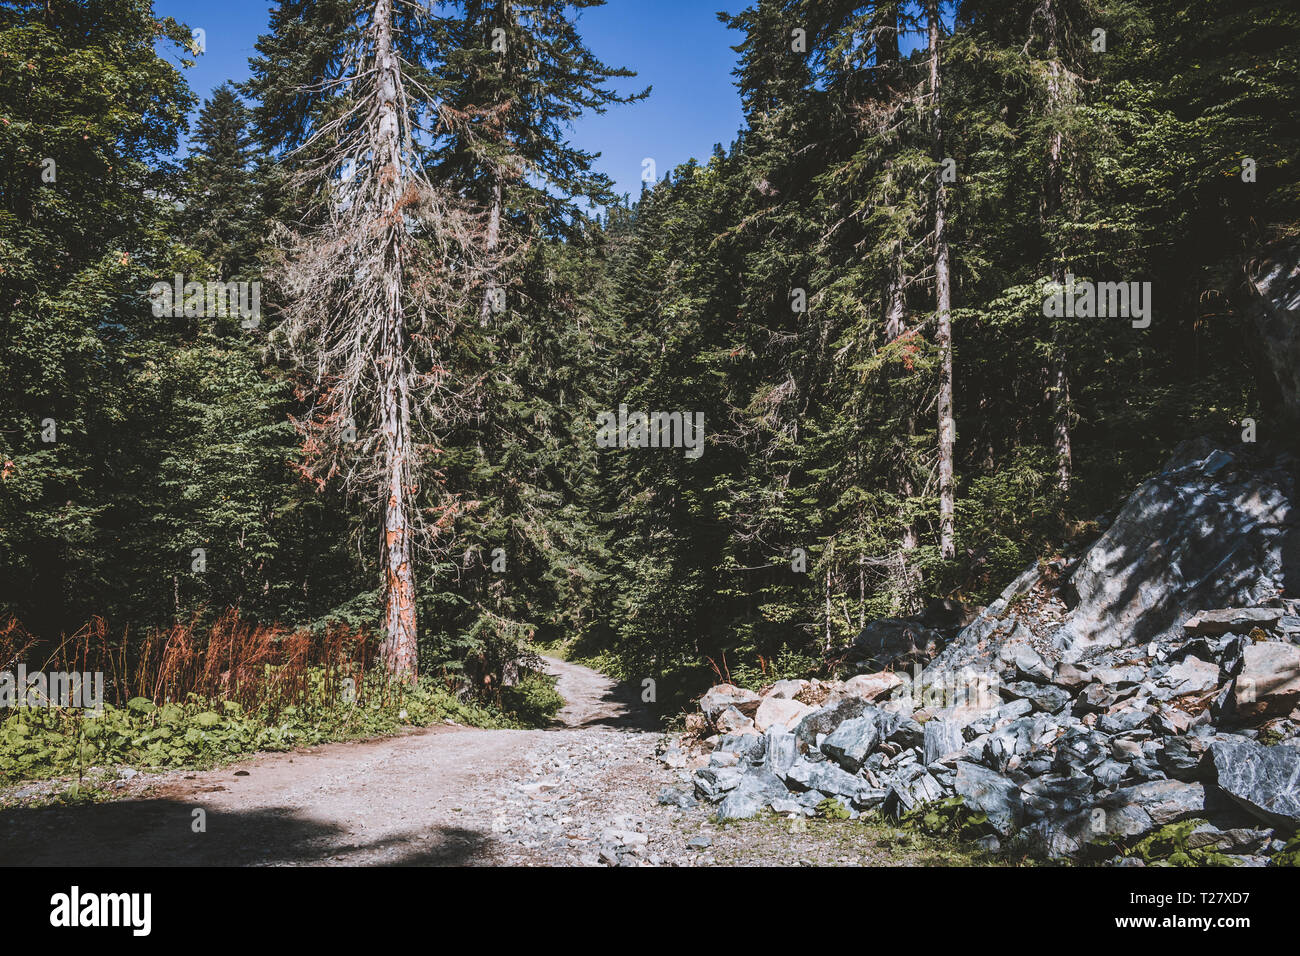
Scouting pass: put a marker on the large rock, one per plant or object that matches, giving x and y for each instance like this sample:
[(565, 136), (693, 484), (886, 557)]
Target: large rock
[(1276, 281), (1044, 697), (782, 750), (872, 686), (912, 787), (721, 696), (828, 778), (1235, 620), (1269, 682), (751, 747), (741, 805), (942, 739), (852, 741), (1166, 801), (1070, 836), (1205, 533), (756, 790), (824, 720), (779, 712), (1182, 756), (787, 688), (895, 642), (731, 721), (994, 794), (1191, 676), (711, 783), (1263, 780)]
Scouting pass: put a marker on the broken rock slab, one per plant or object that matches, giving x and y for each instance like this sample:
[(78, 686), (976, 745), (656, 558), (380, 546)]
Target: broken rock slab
[(1235, 620), (995, 795), (779, 712), (1265, 781), (721, 696), (872, 686), (1269, 682)]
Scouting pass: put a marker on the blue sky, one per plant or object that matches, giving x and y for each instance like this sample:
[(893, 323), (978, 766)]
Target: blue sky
[(676, 46)]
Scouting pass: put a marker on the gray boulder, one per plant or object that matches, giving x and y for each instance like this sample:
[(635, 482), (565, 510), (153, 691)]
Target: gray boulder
[(992, 793), (852, 741), (1047, 698), (1203, 534), (1265, 781), (829, 779), (1275, 280), (750, 747), (782, 750), (741, 805), (825, 720), (893, 642), (1166, 801), (712, 783), (942, 738)]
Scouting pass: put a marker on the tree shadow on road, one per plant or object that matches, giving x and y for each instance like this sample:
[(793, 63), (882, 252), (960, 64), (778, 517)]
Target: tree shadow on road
[(159, 832), (619, 707)]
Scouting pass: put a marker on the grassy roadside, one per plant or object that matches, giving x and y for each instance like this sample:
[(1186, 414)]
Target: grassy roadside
[(41, 743)]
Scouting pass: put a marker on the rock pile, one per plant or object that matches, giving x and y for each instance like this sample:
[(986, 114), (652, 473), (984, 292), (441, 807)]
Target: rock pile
[(1062, 758)]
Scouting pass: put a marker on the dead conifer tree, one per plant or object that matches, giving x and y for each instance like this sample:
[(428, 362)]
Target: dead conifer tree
[(375, 279)]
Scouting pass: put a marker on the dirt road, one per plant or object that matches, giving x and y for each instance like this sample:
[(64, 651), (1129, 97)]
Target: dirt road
[(585, 792), (442, 795)]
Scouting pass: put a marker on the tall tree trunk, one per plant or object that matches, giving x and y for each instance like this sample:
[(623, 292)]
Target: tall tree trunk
[(943, 305), (828, 609), (506, 18), (493, 239), (1059, 381), (399, 648)]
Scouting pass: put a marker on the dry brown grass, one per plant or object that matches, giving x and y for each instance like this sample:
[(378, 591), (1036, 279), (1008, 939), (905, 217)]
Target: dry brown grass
[(256, 665)]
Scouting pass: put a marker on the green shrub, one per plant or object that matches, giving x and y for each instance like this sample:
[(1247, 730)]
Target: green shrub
[(533, 701), (40, 743)]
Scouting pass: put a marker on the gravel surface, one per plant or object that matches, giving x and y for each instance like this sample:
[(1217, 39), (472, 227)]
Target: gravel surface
[(585, 792)]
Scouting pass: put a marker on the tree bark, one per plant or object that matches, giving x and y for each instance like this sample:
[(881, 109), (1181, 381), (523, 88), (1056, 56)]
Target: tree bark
[(493, 239), (399, 648), (943, 305), (1059, 375)]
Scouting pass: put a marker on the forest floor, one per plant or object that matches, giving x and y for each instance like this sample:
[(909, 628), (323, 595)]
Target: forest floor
[(584, 792)]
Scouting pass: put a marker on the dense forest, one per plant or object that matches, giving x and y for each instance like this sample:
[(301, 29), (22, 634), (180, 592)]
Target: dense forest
[(405, 434)]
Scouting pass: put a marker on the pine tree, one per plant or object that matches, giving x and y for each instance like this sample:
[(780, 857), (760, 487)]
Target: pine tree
[(82, 207), (222, 219)]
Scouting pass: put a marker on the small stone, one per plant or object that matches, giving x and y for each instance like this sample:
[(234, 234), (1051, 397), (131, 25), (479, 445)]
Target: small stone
[(672, 796)]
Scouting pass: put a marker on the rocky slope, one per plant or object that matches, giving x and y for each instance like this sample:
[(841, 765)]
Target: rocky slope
[(1152, 680)]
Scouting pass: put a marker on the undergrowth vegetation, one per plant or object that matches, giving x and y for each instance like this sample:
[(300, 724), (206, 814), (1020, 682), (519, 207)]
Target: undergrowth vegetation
[(191, 696)]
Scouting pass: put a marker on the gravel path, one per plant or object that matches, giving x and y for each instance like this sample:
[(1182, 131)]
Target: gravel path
[(582, 793)]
